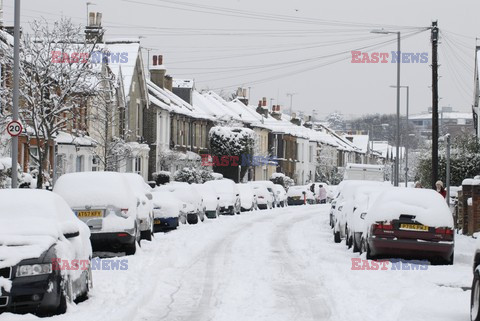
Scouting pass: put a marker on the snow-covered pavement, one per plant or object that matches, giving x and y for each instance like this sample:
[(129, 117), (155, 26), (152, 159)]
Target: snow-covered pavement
[(280, 264)]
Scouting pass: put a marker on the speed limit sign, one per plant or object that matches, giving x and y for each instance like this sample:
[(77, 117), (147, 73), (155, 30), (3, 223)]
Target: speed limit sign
[(14, 128)]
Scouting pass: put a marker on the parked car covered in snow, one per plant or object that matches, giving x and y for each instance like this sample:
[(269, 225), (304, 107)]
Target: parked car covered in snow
[(145, 210), (248, 197), (107, 204), (300, 195), (38, 232), (229, 195), (211, 201), (280, 195), (270, 187), (357, 208), (186, 193), (166, 210), (265, 198), (346, 191), (412, 223)]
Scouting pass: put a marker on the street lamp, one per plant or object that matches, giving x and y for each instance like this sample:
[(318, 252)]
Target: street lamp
[(383, 31), (405, 142)]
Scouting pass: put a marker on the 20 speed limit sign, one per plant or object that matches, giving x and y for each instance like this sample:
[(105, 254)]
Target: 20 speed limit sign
[(14, 128)]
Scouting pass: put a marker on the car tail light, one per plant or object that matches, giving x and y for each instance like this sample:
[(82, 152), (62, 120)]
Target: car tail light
[(444, 230), (382, 227), (122, 234)]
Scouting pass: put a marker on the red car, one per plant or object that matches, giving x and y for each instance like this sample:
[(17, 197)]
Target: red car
[(410, 223)]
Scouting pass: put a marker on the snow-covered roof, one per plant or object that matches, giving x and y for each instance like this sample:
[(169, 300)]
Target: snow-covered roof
[(215, 106), (132, 49), (359, 141), (66, 138), (167, 100)]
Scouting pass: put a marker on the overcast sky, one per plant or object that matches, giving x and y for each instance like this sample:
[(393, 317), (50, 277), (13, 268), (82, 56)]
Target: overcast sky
[(301, 47)]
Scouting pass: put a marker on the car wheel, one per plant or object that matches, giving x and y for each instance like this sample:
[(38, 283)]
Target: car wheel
[(475, 298), (356, 248), (336, 237), (369, 253), (88, 284), (147, 235), (130, 249), (65, 295)]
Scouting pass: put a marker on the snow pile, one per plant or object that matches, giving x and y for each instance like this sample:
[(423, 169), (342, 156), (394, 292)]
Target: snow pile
[(428, 207), (5, 163)]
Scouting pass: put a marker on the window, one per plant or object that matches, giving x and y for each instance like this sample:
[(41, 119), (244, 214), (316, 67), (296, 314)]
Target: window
[(95, 164), (61, 160), (80, 164), (33, 157), (139, 119), (138, 165)]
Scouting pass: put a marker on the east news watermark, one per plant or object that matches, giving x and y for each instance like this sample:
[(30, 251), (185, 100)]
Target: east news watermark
[(95, 57), (360, 57), (96, 264), (245, 160), (392, 265)]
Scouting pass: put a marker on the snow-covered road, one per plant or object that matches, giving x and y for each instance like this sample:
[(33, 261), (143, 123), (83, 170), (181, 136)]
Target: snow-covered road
[(280, 264)]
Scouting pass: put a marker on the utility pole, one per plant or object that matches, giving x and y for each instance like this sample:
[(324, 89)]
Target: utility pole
[(291, 100), (434, 39), (16, 89)]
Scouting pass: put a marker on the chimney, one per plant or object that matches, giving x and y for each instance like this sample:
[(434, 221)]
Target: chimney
[(94, 30), (295, 120), (157, 71), (276, 112), (168, 82)]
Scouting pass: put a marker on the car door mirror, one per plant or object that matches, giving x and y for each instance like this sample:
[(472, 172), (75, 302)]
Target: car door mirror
[(70, 230), (71, 235), (149, 196), (218, 198), (238, 195)]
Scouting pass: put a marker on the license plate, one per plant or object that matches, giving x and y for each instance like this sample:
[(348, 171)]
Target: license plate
[(157, 221), (414, 227), (296, 197), (97, 213)]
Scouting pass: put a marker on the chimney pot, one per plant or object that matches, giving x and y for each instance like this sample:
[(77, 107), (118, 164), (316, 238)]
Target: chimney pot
[(264, 101), (154, 60), (99, 19), (91, 19), (160, 60)]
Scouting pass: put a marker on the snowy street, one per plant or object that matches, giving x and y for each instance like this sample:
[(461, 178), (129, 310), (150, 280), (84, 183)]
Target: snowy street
[(279, 264)]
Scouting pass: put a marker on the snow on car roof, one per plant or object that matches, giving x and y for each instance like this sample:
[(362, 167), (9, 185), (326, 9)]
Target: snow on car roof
[(428, 206), (94, 189)]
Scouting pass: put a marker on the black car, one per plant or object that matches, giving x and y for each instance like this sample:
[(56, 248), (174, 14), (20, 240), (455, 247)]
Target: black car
[(45, 253)]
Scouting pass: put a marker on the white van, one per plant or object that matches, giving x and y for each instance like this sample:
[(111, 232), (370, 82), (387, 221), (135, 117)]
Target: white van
[(364, 172)]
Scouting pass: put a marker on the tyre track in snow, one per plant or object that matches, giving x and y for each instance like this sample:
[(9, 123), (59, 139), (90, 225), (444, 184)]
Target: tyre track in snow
[(303, 294), (199, 294)]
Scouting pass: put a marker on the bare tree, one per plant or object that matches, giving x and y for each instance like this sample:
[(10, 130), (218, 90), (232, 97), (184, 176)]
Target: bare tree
[(56, 76)]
